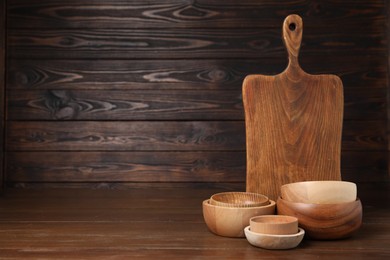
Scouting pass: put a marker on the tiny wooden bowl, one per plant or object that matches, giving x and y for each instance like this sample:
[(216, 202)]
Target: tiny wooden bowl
[(269, 241), (321, 192), (274, 224), (324, 221), (239, 199), (229, 221)]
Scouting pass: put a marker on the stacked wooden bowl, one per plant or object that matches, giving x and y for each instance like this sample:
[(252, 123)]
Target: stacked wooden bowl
[(325, 209), (227, 214), (274, 232)]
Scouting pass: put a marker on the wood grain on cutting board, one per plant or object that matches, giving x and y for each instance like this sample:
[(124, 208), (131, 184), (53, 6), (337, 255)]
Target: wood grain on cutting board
[(293, 122)]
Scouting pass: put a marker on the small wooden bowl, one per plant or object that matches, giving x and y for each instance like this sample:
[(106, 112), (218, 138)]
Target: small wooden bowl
[(324, 221), (231, 221), (320, 192), (268, 241), (239, 199), (274, 224)]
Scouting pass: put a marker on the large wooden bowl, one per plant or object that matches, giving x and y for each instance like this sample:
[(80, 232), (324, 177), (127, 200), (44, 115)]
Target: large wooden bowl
[(324, 221), (231, 221), (239, 199), (319, 192)]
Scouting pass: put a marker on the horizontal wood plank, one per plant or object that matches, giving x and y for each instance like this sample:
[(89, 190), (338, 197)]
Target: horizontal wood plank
[(124, 105), (126, 167), (355, 72), (365, 104), (183, 43), (360, 104), (115, 135), (149, 136), (364, 166), (190, 14), (130, 74), (364, 136), (90, 167)]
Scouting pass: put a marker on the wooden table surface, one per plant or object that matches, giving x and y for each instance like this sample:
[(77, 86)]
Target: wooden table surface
[(158, 222)]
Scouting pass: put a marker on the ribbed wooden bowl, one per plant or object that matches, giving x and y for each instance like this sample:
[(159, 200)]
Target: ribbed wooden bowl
[(320, 192), (231, 221), (324, 221), (239, 199)]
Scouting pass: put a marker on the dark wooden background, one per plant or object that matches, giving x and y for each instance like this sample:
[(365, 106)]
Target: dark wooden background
[(113, 91)]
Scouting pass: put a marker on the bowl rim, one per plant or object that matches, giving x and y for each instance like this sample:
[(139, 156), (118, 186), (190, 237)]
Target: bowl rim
[(264, 199), (272, 203), (300, 232), (291, 219), (319, 191), (317, 204), (274, 224), (319, 181)]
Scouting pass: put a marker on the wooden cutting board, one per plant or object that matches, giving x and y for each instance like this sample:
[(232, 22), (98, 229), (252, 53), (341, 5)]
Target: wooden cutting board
[(293, 123)]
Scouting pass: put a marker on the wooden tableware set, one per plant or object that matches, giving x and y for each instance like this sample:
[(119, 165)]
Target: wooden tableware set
[(293, 124)]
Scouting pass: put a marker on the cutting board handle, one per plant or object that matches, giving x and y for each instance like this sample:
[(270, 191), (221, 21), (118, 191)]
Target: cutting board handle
[(292, 37)]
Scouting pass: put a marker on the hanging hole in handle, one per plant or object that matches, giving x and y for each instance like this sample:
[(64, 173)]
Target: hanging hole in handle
[(292, 26)]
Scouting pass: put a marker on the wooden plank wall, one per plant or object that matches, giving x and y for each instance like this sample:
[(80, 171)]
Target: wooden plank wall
[(2, 85), (150, 91), (388, 81)]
